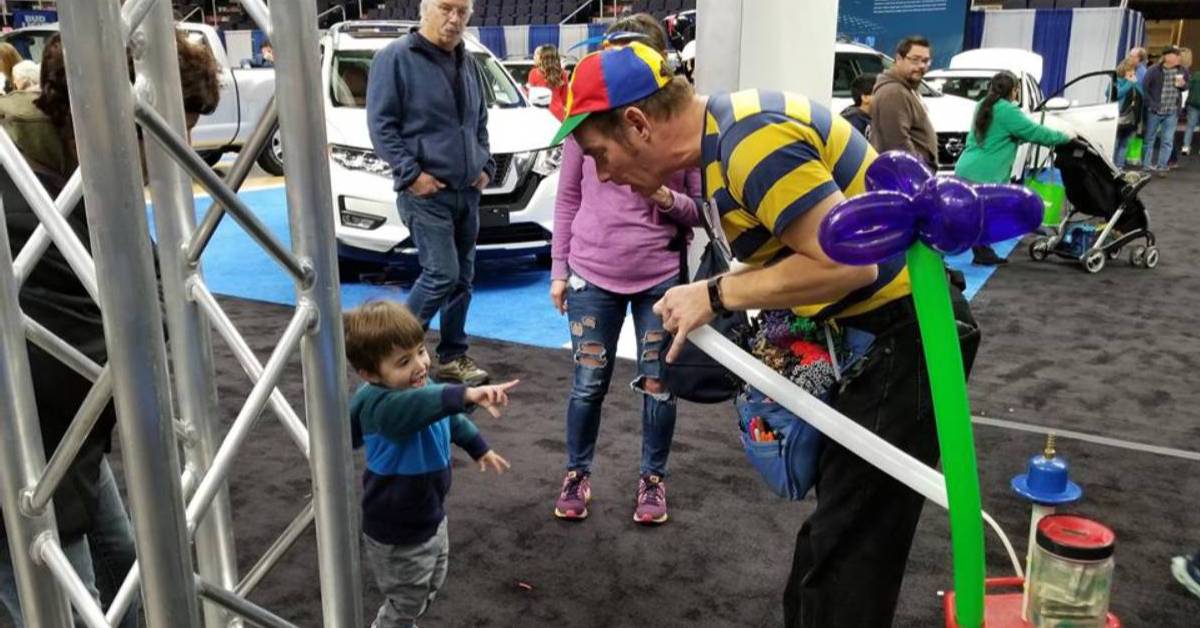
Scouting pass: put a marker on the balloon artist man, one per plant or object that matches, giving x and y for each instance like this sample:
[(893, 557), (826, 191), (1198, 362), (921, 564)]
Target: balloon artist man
[(774, 165)]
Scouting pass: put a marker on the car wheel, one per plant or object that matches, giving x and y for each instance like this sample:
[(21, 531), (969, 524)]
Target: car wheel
[(271, 157)]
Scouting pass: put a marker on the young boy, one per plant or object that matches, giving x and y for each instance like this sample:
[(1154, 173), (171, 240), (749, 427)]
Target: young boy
[(407, 424), (859, 115)]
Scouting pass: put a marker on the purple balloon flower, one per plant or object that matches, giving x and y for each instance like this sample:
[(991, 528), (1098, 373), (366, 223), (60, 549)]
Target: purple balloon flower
[(907, 203)]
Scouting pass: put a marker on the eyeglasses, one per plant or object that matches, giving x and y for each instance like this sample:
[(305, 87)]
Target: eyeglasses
[(448, 10), (919, 60)]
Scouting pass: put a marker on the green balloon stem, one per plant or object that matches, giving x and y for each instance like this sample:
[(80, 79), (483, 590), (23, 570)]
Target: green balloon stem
[(952, 410)]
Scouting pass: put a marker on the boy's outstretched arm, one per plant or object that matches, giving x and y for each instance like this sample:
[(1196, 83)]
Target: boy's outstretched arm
[(405, 412)]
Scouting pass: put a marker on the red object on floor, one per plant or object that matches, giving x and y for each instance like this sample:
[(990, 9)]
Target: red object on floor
[(1001, 606)]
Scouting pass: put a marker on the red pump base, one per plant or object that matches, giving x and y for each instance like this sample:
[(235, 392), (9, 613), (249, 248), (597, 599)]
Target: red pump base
[(1003, 609)]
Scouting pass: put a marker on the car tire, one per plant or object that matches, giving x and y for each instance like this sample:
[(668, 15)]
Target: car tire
[(271, 157)]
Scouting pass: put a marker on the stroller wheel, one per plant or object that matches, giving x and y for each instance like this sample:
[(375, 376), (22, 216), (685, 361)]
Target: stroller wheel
[(1039, 249), (1151, 259), (1114, 253), (1137, 256), (1093, 261)]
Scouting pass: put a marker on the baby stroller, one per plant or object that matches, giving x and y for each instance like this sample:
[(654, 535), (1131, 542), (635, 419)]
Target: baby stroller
[(1112, 214)]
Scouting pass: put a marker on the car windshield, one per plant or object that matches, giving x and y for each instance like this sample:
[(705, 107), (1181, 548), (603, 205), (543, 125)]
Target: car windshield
[(519, 71), (970, 87), (849, 66), (351, 69)]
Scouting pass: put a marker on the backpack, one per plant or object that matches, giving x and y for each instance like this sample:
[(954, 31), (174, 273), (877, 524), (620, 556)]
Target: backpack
[(1130, 116)]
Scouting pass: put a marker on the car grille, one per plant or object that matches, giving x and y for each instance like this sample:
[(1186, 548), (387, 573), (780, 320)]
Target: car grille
[(950, 148), (502, 160)]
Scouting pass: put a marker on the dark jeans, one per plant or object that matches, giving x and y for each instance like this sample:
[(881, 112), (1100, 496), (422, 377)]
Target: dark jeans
[(444, 227), (851, 553), (596, 317), (102, 558)]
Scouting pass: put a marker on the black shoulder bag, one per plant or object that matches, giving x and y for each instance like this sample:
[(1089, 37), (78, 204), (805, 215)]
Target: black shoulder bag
[(694, 375)]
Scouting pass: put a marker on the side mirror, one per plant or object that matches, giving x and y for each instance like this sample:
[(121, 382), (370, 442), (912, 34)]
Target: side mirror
[(1058, 103), (540, 96)]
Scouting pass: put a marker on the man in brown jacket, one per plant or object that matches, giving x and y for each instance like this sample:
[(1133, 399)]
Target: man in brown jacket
[(899, 120)]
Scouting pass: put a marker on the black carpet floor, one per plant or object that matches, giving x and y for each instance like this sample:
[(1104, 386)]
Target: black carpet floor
[(1114, 354)]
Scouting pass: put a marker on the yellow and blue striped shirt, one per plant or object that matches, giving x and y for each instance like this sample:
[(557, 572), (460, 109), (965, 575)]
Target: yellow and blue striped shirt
[(769, 157)]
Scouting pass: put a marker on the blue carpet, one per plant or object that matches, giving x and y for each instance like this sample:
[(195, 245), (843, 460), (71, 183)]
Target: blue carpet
[(511, 299)]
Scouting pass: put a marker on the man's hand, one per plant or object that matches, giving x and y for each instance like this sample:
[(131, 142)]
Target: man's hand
[(482, 181), (663, 198), (425, 185), (682, 309), (492, 398), (558, 295), (495, 461)]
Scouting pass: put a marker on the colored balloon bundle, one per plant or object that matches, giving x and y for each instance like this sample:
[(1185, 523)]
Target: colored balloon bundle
[(909, 209)]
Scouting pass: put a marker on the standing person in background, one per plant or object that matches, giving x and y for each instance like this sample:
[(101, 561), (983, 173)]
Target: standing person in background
[(1139, 56), (548, 72), (265, 57), (899, 119), (1131, 106), (999, 127), (615, 249), (428, 119), (9, 57), (859, 114), (1163, 85)]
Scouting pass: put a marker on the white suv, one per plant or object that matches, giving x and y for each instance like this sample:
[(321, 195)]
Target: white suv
[(516, 213)]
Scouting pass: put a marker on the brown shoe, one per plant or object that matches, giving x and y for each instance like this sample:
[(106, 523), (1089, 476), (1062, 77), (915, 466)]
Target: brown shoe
[(463, 370)]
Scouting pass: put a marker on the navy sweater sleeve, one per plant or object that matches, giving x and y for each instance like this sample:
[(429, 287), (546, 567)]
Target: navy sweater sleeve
[(465, 434), (385, 117)]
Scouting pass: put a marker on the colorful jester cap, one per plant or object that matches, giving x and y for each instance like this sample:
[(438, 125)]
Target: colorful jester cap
[(611, 78)]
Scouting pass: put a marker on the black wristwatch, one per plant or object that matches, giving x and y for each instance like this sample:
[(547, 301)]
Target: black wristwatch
[(714, 296)]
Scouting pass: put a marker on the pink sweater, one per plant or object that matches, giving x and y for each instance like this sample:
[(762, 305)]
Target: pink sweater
[(612, 236)]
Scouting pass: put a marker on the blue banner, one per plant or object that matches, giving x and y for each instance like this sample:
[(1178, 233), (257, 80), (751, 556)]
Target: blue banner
[(881, 24), (21, 19)]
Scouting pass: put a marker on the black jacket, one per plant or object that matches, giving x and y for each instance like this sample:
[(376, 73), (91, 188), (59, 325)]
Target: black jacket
[(54, 297)]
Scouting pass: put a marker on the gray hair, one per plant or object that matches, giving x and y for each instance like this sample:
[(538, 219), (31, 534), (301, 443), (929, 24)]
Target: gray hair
[(426, 5), (26, 73), (1141, 53)]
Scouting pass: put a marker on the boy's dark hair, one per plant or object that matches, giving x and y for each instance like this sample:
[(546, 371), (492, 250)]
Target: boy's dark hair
[(862, 86), (199, 74), (661, 105), (375, 329), (907, 44)]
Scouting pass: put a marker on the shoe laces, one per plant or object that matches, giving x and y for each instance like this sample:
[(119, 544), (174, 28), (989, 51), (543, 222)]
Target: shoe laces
[(651, 492), (574, 486)]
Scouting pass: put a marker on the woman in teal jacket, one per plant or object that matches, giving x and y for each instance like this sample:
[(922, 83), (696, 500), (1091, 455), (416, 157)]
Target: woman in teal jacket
[(1000, 126)]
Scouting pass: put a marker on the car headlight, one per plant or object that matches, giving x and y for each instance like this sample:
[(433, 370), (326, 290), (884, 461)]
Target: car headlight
[(360, 160), (543, 162)]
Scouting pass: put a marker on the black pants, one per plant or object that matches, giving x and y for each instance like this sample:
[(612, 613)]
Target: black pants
[(851, 553)]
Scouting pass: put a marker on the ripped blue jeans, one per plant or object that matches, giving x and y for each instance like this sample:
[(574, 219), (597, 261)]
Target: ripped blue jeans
[(596, 316)]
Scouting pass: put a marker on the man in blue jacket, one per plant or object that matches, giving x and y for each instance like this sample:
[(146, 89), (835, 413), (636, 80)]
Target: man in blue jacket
[(428, 119)]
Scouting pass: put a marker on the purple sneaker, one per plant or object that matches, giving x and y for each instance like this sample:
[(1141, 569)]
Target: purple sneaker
[(574, 497), (651, 501)]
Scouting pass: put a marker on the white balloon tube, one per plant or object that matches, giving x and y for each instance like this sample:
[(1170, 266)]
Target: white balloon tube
[(887, 457)]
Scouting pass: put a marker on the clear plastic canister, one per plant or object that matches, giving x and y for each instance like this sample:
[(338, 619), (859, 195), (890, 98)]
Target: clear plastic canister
[(1070, 575)]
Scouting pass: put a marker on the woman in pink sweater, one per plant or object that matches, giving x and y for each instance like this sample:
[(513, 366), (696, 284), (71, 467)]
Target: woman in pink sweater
[(614, 250)]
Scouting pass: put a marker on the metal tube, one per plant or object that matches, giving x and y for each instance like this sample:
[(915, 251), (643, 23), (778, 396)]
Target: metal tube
[(68, 199), (44, 208), (112, 182), (257, 10), (310, 212), (190, 343), (239, 605), (182, 153), (42, 602), (237, 176), (280, 547), (132, 14), (250, 364), (36, 498), (47, 550), (59, 348), (222, 462)]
